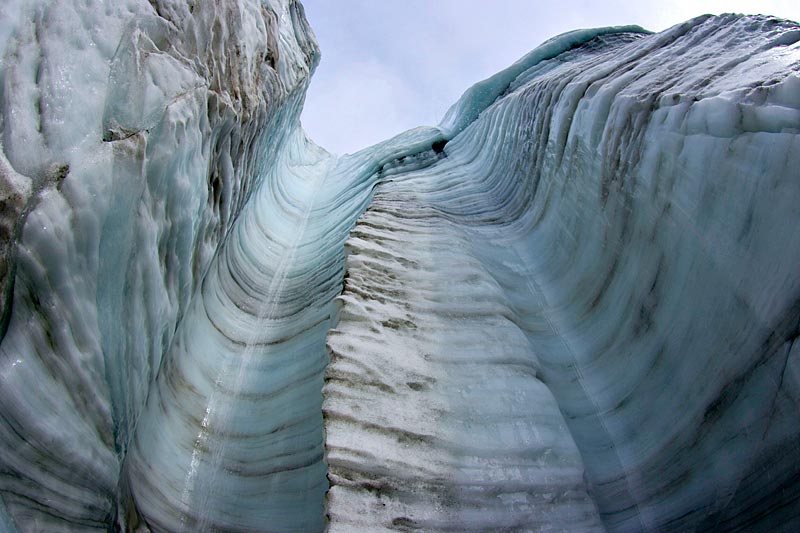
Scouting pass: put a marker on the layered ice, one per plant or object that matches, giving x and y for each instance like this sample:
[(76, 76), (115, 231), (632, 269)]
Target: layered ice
[(614, 227), (133, 134), (572, 305)]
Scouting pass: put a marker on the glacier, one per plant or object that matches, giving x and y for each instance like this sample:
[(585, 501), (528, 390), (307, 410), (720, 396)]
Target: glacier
[(572, 305)]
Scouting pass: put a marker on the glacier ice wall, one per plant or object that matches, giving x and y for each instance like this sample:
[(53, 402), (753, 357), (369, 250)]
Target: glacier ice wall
[(572, 305), (133, 133), (613, 225)]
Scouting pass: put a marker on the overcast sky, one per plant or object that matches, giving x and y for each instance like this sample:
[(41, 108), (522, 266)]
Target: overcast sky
[(391, 65)]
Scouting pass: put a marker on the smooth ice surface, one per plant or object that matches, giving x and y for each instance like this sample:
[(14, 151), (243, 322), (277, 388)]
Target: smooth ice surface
[(573, 305)]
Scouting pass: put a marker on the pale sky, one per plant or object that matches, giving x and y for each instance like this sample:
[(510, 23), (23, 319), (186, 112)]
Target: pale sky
[(391, 65)]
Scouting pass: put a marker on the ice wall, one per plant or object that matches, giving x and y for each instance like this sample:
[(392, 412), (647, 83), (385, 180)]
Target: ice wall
[(615, 227), (573, 305), (133, 133)]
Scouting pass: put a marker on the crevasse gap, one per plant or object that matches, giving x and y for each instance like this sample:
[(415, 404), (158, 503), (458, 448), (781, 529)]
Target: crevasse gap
[(572, 305)]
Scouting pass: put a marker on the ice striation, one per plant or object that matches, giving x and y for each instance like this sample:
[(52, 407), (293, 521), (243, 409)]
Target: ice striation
[(133, 135), (573, 305), (613, 230)]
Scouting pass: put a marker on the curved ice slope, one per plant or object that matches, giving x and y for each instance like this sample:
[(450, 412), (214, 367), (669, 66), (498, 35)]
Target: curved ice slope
[(132, 133), (617, 229), (232, 437)]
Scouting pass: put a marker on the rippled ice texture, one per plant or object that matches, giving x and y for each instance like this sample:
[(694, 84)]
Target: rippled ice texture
[(573, 305)]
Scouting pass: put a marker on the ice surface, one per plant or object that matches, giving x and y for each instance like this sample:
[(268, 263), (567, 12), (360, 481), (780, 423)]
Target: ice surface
[(598, 231), (132, 199), (481, 95), (573, 305)]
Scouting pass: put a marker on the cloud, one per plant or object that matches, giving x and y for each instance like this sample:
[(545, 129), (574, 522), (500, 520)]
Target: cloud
[(391, 65), (361, 103)]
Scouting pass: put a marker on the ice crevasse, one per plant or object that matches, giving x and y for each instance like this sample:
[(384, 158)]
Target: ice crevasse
[(572, 305)]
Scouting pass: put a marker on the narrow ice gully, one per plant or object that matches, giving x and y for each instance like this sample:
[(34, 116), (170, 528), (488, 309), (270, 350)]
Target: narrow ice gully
[(572, 305)]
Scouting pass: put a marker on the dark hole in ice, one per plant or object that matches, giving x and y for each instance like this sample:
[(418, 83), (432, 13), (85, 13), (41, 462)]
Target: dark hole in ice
[(403, 521), (438, 146)]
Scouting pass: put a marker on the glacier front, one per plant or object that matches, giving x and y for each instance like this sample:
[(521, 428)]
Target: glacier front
[(572, 305)]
